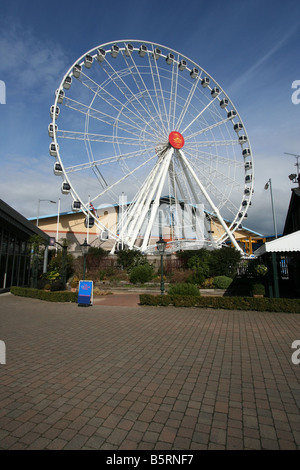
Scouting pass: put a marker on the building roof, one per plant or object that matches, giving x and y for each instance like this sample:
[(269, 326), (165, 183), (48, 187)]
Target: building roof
[(292, 221), (285, 244), (14, 218)]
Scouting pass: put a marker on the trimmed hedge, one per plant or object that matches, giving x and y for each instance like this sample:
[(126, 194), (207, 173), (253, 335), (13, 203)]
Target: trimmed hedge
[(64, 296), (262, 304)]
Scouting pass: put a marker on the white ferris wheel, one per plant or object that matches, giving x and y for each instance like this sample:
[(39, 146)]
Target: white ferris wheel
[(139, 119)]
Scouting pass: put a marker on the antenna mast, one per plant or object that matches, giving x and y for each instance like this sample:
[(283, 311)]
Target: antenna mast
[(297, 165)]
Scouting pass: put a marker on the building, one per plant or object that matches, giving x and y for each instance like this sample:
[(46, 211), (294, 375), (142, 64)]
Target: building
[(73, 227), (15, 256), (282, 255)]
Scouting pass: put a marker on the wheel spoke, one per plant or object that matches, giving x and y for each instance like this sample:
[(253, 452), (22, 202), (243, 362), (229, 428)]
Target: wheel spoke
[(206, 129), (186, 105), (122, 179), (131, 97), (101, 116), (102, 138), (113, 102), (107, 160), (123, 105), (198, 115)]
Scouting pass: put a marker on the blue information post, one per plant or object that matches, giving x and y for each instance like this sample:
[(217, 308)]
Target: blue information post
[(85, 293)]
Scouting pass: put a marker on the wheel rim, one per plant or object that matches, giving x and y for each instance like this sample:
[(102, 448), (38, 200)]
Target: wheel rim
[(154, 125)]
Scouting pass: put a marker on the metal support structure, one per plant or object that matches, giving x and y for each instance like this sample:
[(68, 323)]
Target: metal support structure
[(209, 200), (162, 176)]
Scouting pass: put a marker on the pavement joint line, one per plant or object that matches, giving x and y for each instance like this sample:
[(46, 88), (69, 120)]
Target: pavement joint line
[(130, 377)]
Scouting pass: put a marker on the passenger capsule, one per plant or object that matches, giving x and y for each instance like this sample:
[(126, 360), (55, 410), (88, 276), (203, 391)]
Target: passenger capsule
[(156, 53), (215, 92), (67, 83), (243, 139), (194, 73), (61, 95), (76, 206), (88, 60), (205, 82), (246, 153), (248, 166), (54, 111), (57, 169), (65, 188), (182, 64), (170, 58), (53, 148), (224, 103), (77, 70), (128, 49), (231, 114), (114, 51), (104, 235), (89, 222), (238, 127), (51, 130), (142, 51), (101, 55)]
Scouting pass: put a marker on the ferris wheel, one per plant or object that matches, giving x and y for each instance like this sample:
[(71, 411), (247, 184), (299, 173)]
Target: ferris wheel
[(138, 120)]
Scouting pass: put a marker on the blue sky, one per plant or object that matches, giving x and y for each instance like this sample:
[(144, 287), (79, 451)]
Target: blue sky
[(250, 47)]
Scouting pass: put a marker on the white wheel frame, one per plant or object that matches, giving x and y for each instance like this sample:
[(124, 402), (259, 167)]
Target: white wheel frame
[(132, 99)]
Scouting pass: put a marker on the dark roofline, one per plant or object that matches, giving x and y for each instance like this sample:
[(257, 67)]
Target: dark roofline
[(16, 219), (288, 225)]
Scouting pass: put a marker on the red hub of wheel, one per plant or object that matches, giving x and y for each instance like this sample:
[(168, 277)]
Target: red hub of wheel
[(176, 140)]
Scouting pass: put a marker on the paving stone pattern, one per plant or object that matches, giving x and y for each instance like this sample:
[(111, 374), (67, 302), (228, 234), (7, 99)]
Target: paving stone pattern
[(130, 377)]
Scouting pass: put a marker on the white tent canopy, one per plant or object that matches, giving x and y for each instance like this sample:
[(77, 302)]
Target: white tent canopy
[(284, 244)]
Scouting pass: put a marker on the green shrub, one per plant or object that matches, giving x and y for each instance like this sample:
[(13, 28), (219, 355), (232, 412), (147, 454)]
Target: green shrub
[(184, 289), (222, 282), (141, 274), (258, 289), (64, 296), (129, 259)]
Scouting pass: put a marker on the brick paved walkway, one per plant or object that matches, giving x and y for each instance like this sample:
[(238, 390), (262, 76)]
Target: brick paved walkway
[(113, 377)]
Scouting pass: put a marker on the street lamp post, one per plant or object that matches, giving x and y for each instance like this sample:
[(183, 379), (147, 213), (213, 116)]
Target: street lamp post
[(84, 247), (38, 210), (161, 245), (269, 183)]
